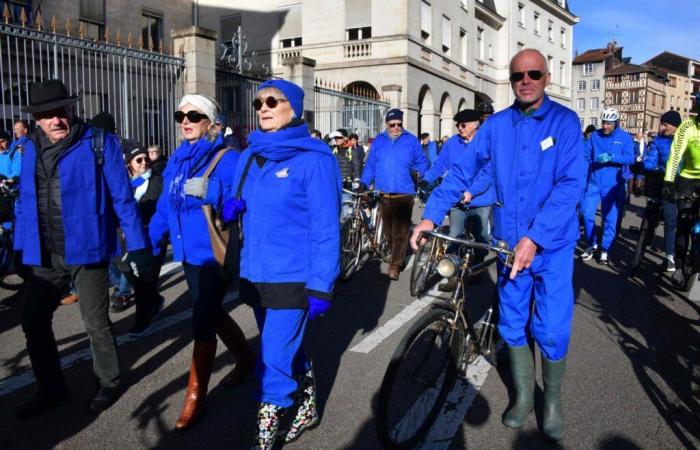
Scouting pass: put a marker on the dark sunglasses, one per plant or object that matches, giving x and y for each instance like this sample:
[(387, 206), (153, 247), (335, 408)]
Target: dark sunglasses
[(140, 160), (270, 101), (394, 125), (532, 74), (462, 125), (192, 116)]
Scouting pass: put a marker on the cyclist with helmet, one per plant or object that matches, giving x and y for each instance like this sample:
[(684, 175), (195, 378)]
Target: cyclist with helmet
[(608, 151), (683, 169), (655, 161)]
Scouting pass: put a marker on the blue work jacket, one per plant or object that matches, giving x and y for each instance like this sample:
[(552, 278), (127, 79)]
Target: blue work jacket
[(189, 235), (10, 163), (432, 152), (291, 231), (536, 164), (91, 196), (458, 149), (657, 154), (619, 144), (390, 163)]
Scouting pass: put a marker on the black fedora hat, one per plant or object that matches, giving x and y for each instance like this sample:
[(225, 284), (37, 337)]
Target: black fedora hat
[(48, 95)]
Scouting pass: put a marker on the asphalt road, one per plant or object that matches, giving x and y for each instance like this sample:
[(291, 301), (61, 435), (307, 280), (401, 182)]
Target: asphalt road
[(633, 378)]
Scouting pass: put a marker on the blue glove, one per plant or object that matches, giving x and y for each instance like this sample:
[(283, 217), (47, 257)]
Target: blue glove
[(232, 209), (696, 228), (604, 158), (317, 306)]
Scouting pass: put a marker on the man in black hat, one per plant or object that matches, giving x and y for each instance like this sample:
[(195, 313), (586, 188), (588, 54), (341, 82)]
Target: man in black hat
[(73, 186)]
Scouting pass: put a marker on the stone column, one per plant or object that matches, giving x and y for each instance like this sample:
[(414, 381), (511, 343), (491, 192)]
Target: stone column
[(393, 92), (197, 46), (300, 71)]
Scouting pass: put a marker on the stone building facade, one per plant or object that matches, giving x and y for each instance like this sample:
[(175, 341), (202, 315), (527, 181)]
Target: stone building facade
[(684, 80), (639, 94)]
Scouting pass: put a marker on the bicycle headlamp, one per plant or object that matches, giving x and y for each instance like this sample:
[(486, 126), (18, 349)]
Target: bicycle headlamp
[(448, 265)]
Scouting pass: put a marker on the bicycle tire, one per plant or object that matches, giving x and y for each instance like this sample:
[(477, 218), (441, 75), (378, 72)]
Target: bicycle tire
[(383, 246), (429, 386), (420, 272), (6, 252), (351, 249), (640, 248)]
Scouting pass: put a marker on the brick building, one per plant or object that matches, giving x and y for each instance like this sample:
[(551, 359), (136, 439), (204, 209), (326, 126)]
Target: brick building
[(639, 93)]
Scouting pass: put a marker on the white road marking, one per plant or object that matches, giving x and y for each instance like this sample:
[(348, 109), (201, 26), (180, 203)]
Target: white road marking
[(25, 378)]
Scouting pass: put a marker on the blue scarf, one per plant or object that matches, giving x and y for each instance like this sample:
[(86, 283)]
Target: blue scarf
[(139, 181), (286, 142), (186, 159)]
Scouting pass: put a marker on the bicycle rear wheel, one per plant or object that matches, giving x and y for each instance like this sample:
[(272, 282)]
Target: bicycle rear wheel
[(351, 248), (383, 245), (422, 268), (422, 371)]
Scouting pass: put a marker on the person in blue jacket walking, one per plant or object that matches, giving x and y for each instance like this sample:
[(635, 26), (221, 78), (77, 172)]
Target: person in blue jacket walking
[(609, 150), (290, 255), (655, 160), (472, 213), (72, 191), (179, 214), (9, 164), (395, 154), (534, 159), (430, 148)]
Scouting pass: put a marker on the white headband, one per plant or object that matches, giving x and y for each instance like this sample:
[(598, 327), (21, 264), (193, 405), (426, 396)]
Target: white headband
[(205, 104)]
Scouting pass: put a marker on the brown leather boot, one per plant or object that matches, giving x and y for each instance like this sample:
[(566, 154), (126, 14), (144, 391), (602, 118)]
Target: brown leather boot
[(200, 371), (233, 338)]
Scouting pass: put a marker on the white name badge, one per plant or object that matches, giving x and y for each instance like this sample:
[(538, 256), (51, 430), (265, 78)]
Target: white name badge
[(547, 143)]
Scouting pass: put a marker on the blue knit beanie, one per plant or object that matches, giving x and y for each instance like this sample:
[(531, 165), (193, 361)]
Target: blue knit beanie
[(294, 94)]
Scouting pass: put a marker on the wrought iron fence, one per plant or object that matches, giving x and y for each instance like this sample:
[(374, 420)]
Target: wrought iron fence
[(235, 93), (359, 114), (140, 88)]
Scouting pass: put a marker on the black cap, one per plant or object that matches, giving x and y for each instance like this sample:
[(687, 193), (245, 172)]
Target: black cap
[(5, 135), (424, 135), (342, 131), (671, 118), (132, 149), (467, 115), (105, 121), (590, 129), (394, 114)]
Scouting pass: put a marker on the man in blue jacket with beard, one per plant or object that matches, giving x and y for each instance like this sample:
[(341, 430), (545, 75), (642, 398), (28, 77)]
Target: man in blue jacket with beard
[(608, 152), (533, 155), (395, 154), (73, 188)]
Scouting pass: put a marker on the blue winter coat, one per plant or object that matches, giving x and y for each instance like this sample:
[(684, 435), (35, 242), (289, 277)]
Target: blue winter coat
[(657, 154), (432, 152), (10, 163), (457, 149), (536, 164), (291, 231), (390, 163), (189, 235), (91, 195), (619, 144)]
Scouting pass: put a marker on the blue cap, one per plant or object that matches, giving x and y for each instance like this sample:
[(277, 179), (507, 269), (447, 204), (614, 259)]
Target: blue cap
[(222, 119), (294, 94), (394, 114)]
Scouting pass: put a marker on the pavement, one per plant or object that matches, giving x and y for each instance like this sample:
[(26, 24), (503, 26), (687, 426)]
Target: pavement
[(633, 373)]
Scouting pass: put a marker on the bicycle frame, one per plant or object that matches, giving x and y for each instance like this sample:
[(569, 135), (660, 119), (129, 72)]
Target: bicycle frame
[(372, 224)]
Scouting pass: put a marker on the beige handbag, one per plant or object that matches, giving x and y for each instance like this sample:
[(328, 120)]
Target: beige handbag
[(217, 234)]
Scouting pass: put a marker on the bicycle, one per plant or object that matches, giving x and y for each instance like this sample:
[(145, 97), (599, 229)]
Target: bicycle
[(650, 218), (688, 266), (437, 350), (362, 234), (424, 263)]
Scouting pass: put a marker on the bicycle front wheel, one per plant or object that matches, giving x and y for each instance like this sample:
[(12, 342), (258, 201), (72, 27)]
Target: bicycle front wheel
[(422, 371), (351, 242), (422, 267)]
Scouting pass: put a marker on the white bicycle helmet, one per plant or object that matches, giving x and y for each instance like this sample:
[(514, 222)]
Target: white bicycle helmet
[(609, 115)]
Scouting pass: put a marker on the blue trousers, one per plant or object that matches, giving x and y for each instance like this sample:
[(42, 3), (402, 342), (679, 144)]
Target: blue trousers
[(281, 355), (549, 284), (476, 221), (611, 200)]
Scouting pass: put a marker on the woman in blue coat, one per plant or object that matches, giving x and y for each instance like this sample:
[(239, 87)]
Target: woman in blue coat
[(290, 257), (179, 213)]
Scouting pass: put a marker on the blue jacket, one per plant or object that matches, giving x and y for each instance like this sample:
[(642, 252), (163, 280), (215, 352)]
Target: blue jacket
[(456, 149), (390, 163), (188, 230), (291, 231), (657, 154), (536, 164), (10, 163), (619, 144), (432, 152), (91, 195)]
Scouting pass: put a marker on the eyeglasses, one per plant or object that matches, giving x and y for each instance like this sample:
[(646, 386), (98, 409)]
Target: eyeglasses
[(141, 160), (462, 125), (532, 74), (270, 101), (395, 125), (192, 116)]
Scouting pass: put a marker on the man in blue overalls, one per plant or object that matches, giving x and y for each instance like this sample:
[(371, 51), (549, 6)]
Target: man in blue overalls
[(609, 150), (533, 155)]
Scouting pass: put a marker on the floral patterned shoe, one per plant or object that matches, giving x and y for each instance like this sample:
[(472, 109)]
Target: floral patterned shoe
[(269, 416), (307, 414)]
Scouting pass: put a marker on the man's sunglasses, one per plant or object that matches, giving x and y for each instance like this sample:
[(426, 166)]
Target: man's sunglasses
[(192, 116), (532, 74), (462, 125), (394, 125), (270, 101), (141, 160)]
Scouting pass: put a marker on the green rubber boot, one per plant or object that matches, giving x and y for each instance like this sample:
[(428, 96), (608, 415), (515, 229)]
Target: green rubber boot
[(522, 368), (552, 373)]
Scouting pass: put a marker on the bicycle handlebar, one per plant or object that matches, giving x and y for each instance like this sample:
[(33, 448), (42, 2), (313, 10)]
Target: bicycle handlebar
[(501, 247)]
